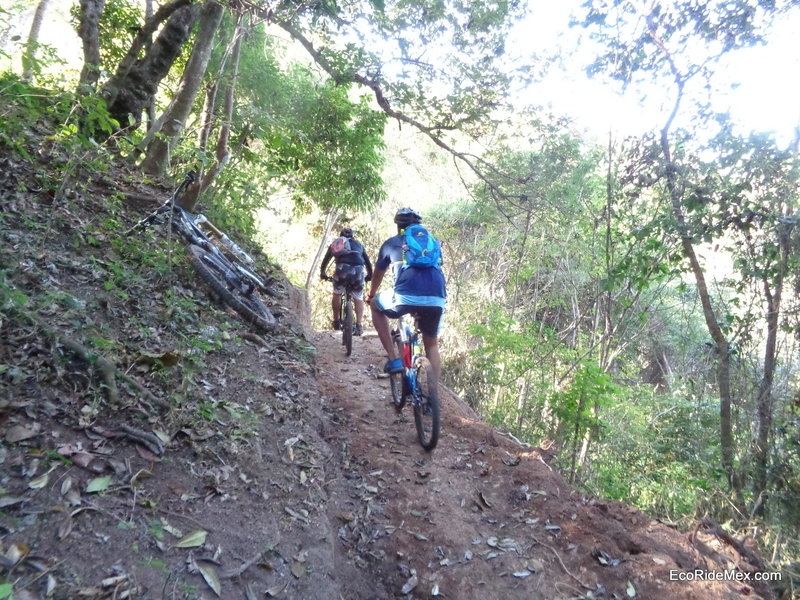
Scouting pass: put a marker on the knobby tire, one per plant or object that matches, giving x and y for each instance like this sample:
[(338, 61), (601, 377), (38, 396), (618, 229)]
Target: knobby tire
[(249, 306), (426, 405), (347, 325), (397, 380)]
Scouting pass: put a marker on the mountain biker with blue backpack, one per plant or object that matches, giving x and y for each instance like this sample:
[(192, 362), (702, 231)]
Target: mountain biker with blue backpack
[(351, 259), (419, 286)]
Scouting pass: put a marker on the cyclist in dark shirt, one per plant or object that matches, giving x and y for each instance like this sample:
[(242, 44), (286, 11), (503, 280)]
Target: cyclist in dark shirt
[(415, 290), (349, 269)]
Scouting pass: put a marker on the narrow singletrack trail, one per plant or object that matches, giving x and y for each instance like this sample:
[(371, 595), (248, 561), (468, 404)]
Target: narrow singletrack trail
[(481, 516)]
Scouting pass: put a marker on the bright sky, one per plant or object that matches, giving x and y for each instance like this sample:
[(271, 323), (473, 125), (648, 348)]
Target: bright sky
[(766, 96)]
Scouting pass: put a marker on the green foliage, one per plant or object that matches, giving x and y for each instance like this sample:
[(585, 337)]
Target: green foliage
[(656, 454), (119, 24), (23, 107), (591, 388), (6, 590), (315, 139), (291, 131)]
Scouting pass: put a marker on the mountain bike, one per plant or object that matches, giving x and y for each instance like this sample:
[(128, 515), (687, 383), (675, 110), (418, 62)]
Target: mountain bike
[(228, 273), (347, 319), (417, 382), (346, 315)]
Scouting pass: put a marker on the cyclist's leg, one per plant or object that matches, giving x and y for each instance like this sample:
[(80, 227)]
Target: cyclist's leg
[(359, 309), (430, 319), (382, 310), (357, 292), (431, 344), (336, 301)]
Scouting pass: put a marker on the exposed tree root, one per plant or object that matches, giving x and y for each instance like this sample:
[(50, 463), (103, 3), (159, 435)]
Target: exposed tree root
[(148, 440), (561, 562), (714, 529), (108, 370), (256, 339)]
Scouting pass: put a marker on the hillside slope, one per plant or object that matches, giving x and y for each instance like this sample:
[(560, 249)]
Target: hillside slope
[(152, 447)]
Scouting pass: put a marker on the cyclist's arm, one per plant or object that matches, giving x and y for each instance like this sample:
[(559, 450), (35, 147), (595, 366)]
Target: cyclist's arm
[(325, 261), (375, 284), (367, 264)]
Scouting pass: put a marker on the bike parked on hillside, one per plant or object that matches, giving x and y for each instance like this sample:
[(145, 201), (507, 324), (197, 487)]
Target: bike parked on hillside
[(224, 268), (416, 383)]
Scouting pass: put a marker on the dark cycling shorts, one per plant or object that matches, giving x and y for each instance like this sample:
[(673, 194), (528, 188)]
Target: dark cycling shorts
[(352, 275), (430, 317)]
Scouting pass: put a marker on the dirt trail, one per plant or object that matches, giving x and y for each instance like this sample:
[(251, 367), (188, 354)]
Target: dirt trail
[(482, 516)]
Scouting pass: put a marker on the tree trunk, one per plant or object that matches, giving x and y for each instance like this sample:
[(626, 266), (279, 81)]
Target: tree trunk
[(764, 400), (330, 221), (151, 106), (175, 115), (29, 56), (212, 90), (89, 32), (143, 40), (714, 329), (222, 151), (134, 87)]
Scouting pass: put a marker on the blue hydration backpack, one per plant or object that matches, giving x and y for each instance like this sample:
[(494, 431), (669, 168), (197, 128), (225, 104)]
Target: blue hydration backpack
[(420, 248)]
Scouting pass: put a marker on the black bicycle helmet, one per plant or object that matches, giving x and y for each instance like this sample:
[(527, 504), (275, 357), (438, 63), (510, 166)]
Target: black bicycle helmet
[(406, 217), (347, 232)]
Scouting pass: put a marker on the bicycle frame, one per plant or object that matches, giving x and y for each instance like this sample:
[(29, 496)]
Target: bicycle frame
[(409, 340), (186, 226), (416, 382), (410, 349), (347, 307)]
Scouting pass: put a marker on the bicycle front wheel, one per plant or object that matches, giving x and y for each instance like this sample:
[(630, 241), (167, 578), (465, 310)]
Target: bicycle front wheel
[(396, 380), (216, 275), (347, 325), (426, 404)]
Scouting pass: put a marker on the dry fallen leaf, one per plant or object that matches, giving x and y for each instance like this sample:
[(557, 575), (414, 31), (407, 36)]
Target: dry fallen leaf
[(298, 569), (39, 482), (209, 573), (15, 553), (276, 589), (193, 540), (411, 583), (98, 484), (250, 592), (18, 433), (7, 501)]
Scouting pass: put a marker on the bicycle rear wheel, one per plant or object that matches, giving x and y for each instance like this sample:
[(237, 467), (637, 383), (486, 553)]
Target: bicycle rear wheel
[(216, 275), (396, 380), (347, 324), (426, 404)]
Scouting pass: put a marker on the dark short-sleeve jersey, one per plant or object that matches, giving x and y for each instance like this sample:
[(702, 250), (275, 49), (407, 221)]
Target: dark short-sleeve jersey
[(412, 281)]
